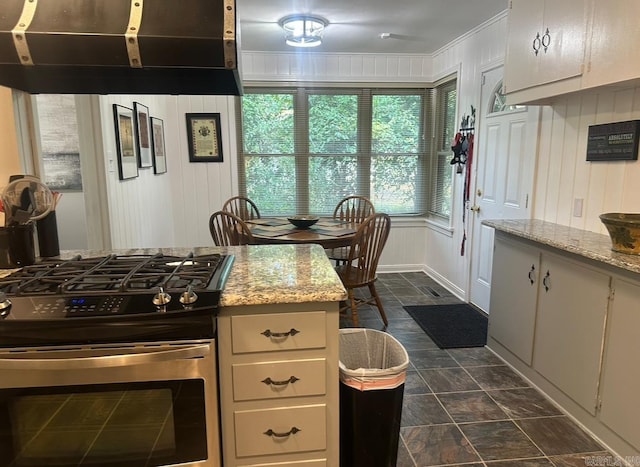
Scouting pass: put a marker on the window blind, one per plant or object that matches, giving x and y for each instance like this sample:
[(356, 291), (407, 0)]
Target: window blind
[(304, 149)]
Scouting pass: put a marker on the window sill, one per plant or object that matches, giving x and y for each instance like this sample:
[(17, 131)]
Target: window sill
[(415, 221), (439, 227)]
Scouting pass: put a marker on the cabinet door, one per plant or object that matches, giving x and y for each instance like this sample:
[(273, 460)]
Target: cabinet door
[(556, 30), (614, 56), (513, 296), (525, 21), (620, 410), (572, 304)]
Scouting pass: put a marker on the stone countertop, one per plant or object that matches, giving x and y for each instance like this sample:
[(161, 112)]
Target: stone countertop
[(261, 274), (268, 274), (581, 242)]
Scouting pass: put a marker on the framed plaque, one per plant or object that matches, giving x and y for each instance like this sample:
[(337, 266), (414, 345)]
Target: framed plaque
[(203, 133), (613, 141)]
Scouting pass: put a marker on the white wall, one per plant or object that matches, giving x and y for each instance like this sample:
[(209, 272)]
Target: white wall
[(472, 53), (563, 174), (139, 208), (71, 222), (170, 209)]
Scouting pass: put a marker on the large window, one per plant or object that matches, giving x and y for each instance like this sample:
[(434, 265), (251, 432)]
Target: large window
[(304, 149), (442, 182)]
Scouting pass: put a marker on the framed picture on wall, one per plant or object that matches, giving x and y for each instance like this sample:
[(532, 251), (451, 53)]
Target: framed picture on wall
[(159, 154), (203, 134), (125, 144), (617, 141), (143, 135)]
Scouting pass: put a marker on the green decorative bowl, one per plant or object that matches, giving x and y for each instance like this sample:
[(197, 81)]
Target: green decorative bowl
[(624, 230), (303, 222)]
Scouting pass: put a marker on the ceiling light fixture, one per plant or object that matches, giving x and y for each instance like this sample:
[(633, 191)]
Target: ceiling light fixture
[(303, 30)]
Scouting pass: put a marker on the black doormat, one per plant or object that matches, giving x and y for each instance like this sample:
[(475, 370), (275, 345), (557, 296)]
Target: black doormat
[(451, 326)]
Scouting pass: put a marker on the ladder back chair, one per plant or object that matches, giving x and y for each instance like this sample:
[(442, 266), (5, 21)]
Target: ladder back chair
[(227, 229), (361, 265), (242, 207), (350, 209)]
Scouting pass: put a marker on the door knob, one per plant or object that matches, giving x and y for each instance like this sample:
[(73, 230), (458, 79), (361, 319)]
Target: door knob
[(475, 208)]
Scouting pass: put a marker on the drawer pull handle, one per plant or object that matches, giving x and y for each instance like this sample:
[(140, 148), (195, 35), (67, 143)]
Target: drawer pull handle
[(268, 381), (532, 274), (537, 42), (546, 281), (546, 40), (291, 332), (275, 434)]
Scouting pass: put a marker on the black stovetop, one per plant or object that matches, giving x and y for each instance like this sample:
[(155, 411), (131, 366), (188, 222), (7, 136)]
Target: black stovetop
[(112, 299)]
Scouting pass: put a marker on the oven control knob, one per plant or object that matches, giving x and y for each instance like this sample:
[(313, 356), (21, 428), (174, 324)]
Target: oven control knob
[(189, 297), (161, 298), (5, 305)]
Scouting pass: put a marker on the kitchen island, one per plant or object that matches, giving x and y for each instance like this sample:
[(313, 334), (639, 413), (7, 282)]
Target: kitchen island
[(278, 357), (564, 312), (277, 349)]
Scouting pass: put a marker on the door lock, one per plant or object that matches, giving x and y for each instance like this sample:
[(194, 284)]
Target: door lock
[(475, 208)]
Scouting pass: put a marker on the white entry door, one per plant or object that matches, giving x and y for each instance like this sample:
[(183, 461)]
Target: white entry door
[(505, 164)]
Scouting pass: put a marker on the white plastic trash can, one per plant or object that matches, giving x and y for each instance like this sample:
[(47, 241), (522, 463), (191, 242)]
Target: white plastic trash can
[(373, 369)]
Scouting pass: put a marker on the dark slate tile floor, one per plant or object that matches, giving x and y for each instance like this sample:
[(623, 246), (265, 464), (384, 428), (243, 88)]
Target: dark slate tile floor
[(466, 406)]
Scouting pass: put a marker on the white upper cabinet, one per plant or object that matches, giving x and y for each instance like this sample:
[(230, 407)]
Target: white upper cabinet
[(614, 37), (545, 48), (559, 47)]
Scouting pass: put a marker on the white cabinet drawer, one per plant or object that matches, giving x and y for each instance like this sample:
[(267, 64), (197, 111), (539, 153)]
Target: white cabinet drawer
[(270, 380), (278, 331), (281, 430), (309, 463)]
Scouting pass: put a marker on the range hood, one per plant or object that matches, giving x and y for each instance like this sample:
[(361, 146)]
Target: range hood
[(120, 46)]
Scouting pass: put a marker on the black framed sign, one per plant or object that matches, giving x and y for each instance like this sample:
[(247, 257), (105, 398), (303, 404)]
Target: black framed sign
[(203, 133), (613, 141)]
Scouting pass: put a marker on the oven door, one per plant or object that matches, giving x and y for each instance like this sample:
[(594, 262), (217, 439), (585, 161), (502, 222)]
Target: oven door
[(142, 405)]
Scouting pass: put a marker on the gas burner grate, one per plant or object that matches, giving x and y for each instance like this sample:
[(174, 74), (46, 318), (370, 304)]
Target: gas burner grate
[(114, 273)]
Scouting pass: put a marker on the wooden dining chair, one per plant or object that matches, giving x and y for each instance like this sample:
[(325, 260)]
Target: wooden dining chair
[(350, 209), (242, 207), (359, 270), (227, 229)]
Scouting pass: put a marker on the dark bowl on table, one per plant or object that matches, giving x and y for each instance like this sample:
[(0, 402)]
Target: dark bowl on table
[(303, 222)]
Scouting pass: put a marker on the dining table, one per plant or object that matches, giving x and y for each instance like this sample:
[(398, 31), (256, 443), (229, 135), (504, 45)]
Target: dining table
[(328, 232)]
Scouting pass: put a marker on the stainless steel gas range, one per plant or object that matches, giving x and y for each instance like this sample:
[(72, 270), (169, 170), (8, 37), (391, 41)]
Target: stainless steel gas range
[(111, 361)]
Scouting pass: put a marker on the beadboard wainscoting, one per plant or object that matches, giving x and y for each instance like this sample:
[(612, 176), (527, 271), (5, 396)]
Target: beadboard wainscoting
[(563, 173)]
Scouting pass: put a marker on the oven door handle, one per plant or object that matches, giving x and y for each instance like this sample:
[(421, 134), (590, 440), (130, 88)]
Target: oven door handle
[(32, 361)]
